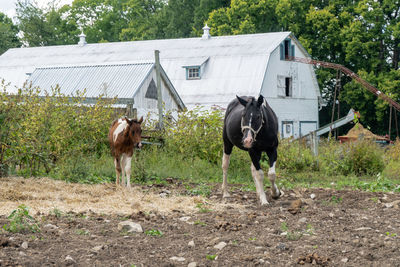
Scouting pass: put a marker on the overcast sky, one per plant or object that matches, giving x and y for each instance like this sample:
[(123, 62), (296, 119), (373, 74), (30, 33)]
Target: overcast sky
[(8, 6)]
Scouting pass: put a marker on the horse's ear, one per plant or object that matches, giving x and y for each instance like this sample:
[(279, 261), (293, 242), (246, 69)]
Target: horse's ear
[(260, 100), (242, 101), (141, 120)]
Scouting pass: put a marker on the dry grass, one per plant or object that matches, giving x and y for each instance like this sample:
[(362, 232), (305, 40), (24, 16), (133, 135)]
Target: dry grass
[(44, 195)]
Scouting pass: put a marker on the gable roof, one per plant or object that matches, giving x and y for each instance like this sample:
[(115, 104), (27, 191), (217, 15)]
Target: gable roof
[(231, 64), (111, 80)]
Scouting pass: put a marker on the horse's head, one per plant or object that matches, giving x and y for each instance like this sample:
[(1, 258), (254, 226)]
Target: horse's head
[(135, 131), (252, 119)]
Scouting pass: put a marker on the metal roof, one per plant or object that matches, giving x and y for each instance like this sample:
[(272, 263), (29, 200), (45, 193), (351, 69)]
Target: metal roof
[(121, 80), (235, 65)]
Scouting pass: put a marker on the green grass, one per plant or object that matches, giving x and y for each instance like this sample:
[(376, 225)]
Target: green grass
[(154, 232), (152, 165)]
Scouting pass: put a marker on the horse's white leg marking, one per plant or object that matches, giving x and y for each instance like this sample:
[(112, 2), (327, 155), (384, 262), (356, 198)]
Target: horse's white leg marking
[(254, 175), (128, 163), (272, 175), (225, 166), (120, 128), (260, 177), (118, 173)]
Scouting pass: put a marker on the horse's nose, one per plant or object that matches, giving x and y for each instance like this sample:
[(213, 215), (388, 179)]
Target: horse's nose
[(248, 140), (139, 145)]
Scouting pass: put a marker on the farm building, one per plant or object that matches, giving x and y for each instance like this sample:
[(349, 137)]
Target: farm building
[(132, 83), (207, 71)]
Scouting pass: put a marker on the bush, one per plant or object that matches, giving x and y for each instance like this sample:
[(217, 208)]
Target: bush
[(362, 157), (392, 159), (39, 129), (196, 133), (295, 156)]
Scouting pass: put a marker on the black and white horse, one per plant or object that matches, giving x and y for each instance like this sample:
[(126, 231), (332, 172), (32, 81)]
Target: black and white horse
[(251, 125)]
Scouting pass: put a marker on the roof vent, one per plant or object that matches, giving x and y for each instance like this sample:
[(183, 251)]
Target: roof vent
[(206, 34), (82, 39)]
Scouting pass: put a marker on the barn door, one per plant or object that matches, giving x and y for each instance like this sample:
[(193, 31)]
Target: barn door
[(287, 129)]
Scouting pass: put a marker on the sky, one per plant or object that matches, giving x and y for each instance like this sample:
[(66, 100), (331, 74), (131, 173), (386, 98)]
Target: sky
[(8, 6)]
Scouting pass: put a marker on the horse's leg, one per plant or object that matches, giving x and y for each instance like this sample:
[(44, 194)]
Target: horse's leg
[(259, 175), (225, 165), (272, 156), (254, 175), (117, 163), (128, 163)]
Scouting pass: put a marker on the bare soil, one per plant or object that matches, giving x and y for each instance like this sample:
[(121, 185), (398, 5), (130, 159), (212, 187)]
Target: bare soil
[(79, 226)]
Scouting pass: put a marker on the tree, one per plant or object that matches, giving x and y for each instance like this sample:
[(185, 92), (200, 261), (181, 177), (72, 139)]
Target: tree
[(243, 17), (8, 34), (44, 28)]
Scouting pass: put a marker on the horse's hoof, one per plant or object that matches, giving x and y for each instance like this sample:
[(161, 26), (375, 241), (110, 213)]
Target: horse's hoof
[(276, 196), (264, 203)]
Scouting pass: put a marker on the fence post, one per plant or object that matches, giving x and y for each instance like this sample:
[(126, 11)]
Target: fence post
[(159, 96)]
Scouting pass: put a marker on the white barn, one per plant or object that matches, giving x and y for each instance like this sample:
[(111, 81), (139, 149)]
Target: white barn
[(207, 71), (133, 84)]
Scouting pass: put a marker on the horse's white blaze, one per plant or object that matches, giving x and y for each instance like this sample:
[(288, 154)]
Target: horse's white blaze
[(121, 127), (225, 165)]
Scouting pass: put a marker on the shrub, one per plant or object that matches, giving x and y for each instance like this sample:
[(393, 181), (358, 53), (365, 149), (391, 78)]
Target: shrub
[(21, 221), (294, 156), (196, 133), (365, 158), (39, 129)]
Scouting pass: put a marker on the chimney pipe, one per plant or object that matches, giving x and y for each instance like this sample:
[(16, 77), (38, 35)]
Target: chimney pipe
[(206, 34), (82, 39)]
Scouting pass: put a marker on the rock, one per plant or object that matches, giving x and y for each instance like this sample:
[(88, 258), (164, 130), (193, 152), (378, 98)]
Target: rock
[(295, 206), (130, 227), (192, 264), (69, 260), (220, 245), (331, 215), (191, 244), (179, 259), (363, 229), (302, 220), (184, 219), (312, 196), (344, 260), (282, 246), (50, 227), (96, 249), (22, 254), (24, 245), (388, 205)]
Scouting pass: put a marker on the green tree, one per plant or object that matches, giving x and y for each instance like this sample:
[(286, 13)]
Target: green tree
[(8, 34), (45, 27), (243, 17)]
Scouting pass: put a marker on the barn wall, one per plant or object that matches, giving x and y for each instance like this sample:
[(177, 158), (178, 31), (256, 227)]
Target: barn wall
[(148, 106), (300, 110)]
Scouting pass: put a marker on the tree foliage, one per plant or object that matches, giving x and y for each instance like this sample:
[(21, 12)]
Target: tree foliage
[(8, 34)]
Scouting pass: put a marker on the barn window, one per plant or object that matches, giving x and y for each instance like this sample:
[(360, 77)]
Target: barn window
[(151, 90), (193, 73), (288, 86), (285, 86), (286, 49)]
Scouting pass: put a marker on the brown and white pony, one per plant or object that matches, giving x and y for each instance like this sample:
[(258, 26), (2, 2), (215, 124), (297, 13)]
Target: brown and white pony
[(124, 136)]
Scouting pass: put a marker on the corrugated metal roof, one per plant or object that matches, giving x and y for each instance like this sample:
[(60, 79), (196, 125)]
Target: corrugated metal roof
[(121, 80), (236, 64)]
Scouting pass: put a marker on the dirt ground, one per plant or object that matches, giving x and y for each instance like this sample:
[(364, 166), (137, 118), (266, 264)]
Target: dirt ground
[(79, 226)]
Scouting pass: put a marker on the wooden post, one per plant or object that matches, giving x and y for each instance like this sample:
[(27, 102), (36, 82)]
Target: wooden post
[(159, 95)]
